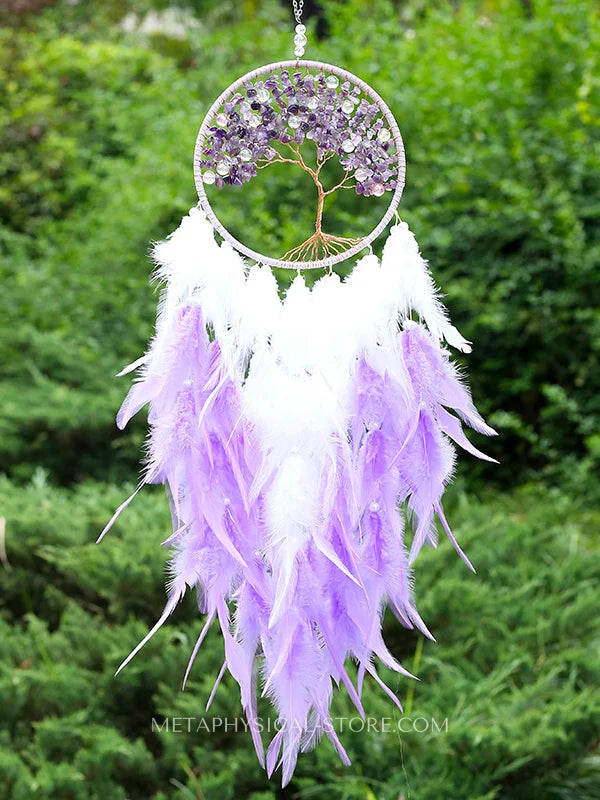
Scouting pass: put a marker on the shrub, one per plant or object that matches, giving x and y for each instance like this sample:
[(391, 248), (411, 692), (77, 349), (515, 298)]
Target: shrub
[(513, 671)]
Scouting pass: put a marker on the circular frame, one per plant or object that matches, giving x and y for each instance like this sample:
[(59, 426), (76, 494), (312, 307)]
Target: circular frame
[(328, 261)]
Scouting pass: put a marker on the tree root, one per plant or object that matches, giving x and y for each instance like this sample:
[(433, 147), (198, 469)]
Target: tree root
[(320, 246)]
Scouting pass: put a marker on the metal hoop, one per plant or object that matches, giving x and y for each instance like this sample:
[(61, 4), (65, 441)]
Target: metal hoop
[(329, 261)]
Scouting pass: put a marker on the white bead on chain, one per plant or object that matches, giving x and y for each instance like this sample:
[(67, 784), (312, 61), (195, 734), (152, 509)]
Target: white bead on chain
[(300, 40), (300, 37)]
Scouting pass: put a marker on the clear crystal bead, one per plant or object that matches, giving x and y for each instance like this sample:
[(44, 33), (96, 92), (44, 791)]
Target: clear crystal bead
[(221, 120), (255, 121), (294, 122), (348, 146), (361, 174), (262, 95), (300, 39), (312, 103), (384, 135), (245, 154), (347, 106), (377, 189), (223, 169), (331, 82), (300, 28), (298, 51), (208, 177)]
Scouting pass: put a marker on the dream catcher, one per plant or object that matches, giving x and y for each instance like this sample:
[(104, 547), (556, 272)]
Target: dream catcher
[(302, 442)]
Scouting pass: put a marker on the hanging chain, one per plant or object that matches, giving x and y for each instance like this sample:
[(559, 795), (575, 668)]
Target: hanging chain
[(300, 36), (298, 7)]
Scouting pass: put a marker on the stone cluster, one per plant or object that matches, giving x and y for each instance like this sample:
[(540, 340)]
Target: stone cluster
[(289, 108)]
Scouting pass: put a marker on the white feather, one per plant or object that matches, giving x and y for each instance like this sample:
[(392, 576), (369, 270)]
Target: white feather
[(369, 301), (222, 299), (293, 339), (181, 262), (177, 260), (407, 275), (261, 307), (291, 512), (333, 322), (193, 265)]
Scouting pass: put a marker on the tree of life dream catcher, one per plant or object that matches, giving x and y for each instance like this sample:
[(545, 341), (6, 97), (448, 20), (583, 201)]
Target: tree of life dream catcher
[(265, 117), (305, 444)]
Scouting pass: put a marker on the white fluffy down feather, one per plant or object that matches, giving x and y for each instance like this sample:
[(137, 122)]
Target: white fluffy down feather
[(410, 283)]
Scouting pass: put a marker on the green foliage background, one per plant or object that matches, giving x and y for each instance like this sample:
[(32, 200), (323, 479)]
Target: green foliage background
[(499, 105)]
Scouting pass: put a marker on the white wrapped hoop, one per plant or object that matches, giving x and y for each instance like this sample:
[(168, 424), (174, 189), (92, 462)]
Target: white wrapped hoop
[(330, 259)]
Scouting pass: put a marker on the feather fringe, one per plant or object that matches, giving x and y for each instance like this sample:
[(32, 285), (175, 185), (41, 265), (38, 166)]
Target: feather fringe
[(289, 444)]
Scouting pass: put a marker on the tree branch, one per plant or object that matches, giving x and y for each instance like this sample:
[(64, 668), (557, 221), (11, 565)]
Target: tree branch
[(339, 186)]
